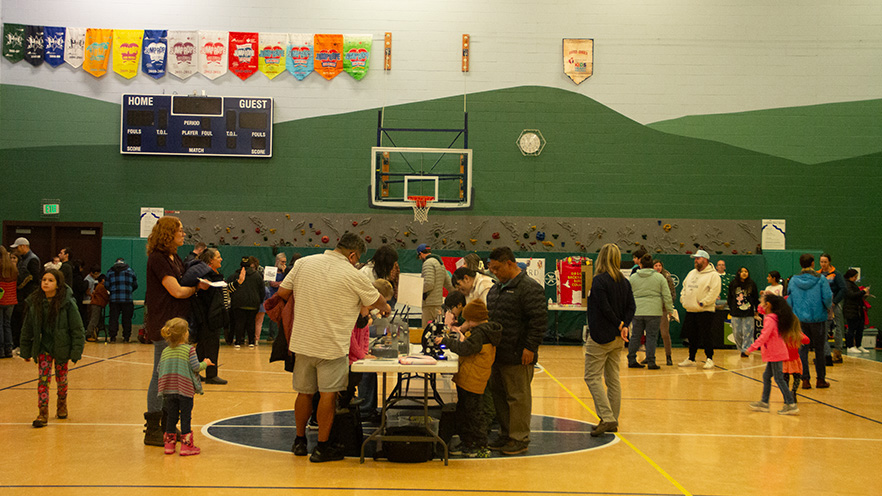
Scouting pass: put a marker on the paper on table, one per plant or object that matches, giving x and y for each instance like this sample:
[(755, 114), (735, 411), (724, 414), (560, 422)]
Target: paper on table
[(216, 284)]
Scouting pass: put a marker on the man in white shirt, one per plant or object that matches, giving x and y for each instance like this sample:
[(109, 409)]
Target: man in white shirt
[(700, 290), (328, 294)]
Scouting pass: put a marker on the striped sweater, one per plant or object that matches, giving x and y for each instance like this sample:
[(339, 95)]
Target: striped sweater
[(178, 369)]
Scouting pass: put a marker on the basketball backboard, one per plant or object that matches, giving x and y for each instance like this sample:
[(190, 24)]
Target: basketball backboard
[(442, 173)]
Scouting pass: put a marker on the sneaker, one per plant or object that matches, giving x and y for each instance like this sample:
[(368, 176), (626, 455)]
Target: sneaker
[(652, 366), (789, 409), (329, 453), (744, 355), (854, 350), (499, 443), (822, 384), (759, 406), (456, 449), (513, 447), (299, 447), (687, 363), (237, 347), (863, 350), (479, 453), (312, 424), (251, 346), (635, 365), (709, 364), (669, 361), (215, 380)]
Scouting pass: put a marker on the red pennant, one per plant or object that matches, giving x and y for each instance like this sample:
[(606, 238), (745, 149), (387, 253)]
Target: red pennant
[(243, 54)]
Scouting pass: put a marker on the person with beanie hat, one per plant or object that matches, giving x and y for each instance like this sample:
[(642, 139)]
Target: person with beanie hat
[(476, 348)]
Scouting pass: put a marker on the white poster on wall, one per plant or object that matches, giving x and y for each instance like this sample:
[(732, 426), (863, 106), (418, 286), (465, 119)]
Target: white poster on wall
[(535, 268), (774, 234), (410, 290), (149, 216)]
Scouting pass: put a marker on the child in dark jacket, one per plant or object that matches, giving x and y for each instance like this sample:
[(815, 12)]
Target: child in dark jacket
[(853, 311), (476, 347), (52, 331)]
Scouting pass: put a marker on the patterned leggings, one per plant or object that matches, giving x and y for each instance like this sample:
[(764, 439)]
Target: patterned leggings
[(44, 363)]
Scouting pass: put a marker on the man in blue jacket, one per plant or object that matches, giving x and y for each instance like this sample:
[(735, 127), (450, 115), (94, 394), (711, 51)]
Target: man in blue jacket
[(811, 299)]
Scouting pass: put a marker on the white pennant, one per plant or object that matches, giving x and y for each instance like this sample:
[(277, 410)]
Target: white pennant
[(75, 46)]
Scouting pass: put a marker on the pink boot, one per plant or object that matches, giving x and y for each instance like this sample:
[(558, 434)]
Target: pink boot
[(187, 447), (169, 438)]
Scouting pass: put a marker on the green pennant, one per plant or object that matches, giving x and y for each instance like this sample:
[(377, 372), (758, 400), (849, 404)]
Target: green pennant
[(13, 41)]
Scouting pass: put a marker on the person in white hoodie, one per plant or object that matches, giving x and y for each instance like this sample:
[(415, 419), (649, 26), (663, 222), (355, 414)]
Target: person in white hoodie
[(699, 295)]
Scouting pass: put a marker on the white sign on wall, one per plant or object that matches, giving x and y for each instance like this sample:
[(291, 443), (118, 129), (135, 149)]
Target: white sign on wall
[(774, 234), (149, 216)]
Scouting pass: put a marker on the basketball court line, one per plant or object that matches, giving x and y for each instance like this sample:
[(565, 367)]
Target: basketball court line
[(77, 367), (318, 488), (622, 438)]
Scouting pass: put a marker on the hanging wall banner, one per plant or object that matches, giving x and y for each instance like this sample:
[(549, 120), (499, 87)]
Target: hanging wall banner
[(74, 46), (182, 53), (271, 58), (299, 61), (578, 58), (213, 53), (13, 41), (155, 52), (97, 51), (328, 55), (33, 50), (243, 54), (53, 45), (127, 51), (357, 50)]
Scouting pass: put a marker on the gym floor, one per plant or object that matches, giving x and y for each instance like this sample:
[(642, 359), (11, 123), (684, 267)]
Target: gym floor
[(682, 431)]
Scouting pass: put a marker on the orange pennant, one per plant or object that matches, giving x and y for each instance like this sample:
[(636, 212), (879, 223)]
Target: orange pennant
[(328, 55)]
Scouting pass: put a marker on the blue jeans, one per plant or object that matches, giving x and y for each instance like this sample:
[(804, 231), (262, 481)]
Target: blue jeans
[(650, 324), (742, 332), (154, 401), (776, 370), (176, 405), (6, 326)]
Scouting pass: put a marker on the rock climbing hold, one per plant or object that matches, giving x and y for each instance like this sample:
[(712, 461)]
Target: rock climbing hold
[(734, 252), (288, 216), (318, 232), (354, 223), (228, 229), (198, 229), (257, 230), (443, 241), (437, 234), (473, 240), (540, 235), (272, 231), (643, 236), (383, 239), (407, 233), (488, 241), (555, 236), (325, 239), (526, 235), (495, 235), (549, 244), (666, 227), (367, 239), (265, 238)]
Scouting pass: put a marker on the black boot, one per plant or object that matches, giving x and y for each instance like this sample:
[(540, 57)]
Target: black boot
[(153, 433)]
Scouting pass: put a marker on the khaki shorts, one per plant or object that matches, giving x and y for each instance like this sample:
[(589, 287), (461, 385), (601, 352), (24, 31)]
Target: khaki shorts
[(313, 375)]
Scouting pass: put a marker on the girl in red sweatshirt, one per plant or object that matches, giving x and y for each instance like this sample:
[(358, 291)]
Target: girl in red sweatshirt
[(780, 326)]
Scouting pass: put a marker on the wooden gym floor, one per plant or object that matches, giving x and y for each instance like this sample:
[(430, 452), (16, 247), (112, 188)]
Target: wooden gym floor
[(682, 431)]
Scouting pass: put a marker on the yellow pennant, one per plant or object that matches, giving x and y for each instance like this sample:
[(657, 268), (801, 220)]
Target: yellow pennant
[(97, 51), (127, 51)]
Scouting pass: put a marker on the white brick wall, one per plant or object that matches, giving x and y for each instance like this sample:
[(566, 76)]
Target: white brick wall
[(654, 59)]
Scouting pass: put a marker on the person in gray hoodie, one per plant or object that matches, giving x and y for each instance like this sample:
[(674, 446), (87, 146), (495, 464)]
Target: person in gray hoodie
[(811, 298), (652, 296)]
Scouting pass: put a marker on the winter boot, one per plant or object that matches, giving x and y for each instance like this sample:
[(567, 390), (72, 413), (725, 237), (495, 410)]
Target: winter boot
[(43, 417), (187, 446), (62, 407), (170, 439), (153, 433)]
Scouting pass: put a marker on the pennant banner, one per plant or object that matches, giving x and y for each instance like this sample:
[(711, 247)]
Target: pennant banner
[(357, 50), (155, 51), (53, 45), (127, 51), (271, 58), (299, 59), (33, 51), (74, 46), (578, 58), (243, 54), (328, 55), (13, 41), (183, 60), (213, 53), (97, 51)]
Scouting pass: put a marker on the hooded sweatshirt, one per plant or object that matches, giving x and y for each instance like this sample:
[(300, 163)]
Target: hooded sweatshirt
[(700, 290), (810, 296), (650, 293)]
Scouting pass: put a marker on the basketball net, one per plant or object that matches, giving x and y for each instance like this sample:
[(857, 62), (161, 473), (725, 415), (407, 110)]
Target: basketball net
[(421, 206)]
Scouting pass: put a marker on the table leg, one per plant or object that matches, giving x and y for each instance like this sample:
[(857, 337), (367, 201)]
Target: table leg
[(377, 433)]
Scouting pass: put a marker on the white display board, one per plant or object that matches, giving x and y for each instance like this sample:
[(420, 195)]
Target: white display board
[(410, 290), (535, 269)]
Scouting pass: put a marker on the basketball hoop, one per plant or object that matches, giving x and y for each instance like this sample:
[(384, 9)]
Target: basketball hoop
[(421, 206)]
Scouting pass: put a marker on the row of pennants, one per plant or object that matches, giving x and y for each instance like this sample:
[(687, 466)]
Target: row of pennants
[(184, 53)]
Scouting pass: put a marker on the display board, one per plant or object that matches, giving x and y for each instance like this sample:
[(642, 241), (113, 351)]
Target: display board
[(223, 126)]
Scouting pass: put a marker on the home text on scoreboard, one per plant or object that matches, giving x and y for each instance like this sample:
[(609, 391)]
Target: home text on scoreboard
[(224, 126)]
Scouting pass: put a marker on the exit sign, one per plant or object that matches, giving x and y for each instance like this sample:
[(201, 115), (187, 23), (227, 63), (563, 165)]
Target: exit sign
[(51, 209)]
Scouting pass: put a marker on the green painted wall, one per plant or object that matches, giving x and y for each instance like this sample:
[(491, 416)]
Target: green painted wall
[(597, 163)]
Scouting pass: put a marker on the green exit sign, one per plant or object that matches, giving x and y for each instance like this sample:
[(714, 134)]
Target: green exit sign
[(51, 209)]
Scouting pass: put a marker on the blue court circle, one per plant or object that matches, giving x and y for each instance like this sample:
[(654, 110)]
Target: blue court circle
[(275, 431)]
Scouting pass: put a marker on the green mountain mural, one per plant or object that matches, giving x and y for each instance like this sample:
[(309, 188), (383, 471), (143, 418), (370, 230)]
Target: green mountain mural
[(811, 134)]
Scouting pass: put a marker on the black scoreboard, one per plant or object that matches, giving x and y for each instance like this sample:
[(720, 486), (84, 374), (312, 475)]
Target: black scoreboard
[(197, 125)]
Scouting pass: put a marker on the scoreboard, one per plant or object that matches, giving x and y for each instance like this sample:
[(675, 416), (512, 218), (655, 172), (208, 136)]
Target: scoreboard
[(215, 126)]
